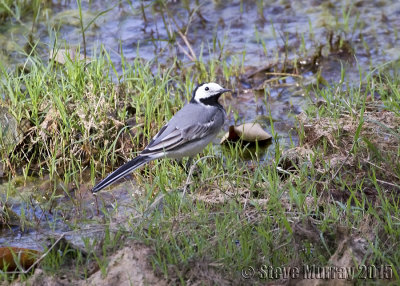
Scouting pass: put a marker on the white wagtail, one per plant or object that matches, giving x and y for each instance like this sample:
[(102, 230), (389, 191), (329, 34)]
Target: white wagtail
[(185, 135)]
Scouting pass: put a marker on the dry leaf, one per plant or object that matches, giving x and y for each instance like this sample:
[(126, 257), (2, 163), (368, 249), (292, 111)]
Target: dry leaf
[(61, 56), (248, 132), (25, 257)]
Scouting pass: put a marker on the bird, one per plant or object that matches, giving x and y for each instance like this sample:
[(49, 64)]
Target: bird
[(186, 134)]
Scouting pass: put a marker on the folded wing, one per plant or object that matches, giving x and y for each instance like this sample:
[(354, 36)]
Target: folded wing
[(178, 136)]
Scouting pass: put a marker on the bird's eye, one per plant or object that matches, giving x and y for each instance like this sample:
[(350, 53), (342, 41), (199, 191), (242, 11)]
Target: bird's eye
[(206, 88)]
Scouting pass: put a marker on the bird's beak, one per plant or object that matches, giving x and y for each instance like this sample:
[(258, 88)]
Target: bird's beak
[(224, 90)]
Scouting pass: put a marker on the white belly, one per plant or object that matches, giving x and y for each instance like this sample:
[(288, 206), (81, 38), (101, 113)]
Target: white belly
[(191, 149)]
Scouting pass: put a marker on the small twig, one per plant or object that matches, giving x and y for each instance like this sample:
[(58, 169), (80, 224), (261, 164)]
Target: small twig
[(185, 52), (44, 255), (268, 81), (280, 169), (387, 183), (192, 56), (284, 74), (380, 168), (246, 200), (155, 204), (262, 69), (186, 43), (344, 161), (196, 10)]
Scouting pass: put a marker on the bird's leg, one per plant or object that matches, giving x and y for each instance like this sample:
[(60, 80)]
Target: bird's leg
[(186, 166), (183, 166), (180, 163), (189, 166)]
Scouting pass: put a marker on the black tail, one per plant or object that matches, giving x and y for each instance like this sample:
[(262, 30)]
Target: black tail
[(121, 172)]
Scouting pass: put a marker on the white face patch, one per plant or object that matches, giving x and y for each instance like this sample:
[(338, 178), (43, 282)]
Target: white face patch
[(207, 90)]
